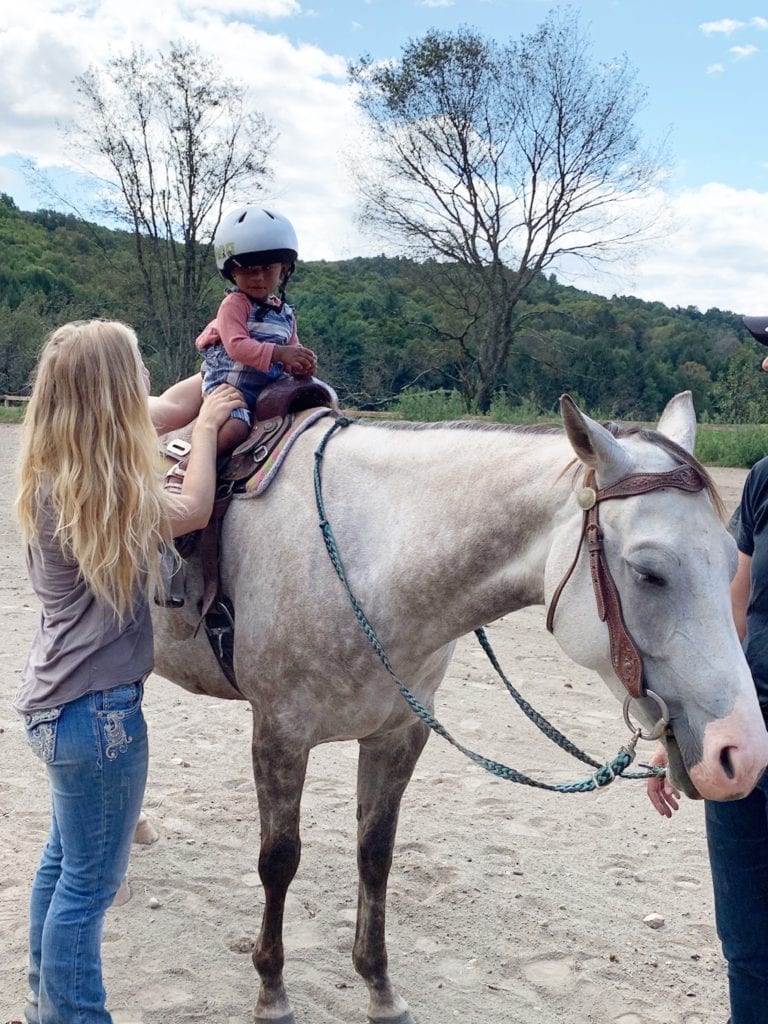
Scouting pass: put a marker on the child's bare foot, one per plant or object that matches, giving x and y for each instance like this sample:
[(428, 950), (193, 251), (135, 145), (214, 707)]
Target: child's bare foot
[(123, 894), (144, 833)]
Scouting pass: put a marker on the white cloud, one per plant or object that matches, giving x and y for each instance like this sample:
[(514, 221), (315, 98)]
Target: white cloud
[(742, 52), (715, 69), (301, 89), (727, 26), (44, 46), (252, 8), (761, 23), (714, 254), (436, 3), (8, 179)]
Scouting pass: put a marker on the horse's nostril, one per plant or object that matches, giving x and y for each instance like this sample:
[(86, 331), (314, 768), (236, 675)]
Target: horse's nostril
[(726, 762)]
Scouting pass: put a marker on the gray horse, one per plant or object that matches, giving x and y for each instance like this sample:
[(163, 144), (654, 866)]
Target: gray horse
[(443, 528)]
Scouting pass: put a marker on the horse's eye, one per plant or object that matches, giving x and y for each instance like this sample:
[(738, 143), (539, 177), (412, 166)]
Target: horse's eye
[(649, 579)]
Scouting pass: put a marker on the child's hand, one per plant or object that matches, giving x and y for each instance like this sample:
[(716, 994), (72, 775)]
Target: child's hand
[(297, 360)]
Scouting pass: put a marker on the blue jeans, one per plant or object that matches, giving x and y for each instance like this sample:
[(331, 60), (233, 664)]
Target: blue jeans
[(737, 836), (95, 749)]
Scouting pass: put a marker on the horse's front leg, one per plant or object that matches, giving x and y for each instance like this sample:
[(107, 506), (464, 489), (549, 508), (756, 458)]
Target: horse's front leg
[(279, 770), (385, 767)]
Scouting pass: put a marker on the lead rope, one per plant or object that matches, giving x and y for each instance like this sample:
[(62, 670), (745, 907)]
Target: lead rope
[(603, 775)]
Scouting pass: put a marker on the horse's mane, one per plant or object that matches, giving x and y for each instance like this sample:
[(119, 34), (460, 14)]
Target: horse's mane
[(678, 453), (673, 449), (480, 425)]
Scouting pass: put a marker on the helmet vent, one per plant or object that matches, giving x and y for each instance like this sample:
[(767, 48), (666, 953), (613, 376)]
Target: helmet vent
[(242, 217), (270, 215)]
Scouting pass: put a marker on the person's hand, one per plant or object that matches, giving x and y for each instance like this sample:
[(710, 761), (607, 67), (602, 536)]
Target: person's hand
[(217, 406), (297, 360), (662, 794)]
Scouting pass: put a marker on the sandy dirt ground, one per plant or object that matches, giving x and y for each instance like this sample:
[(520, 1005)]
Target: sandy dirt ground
[(507, 905)]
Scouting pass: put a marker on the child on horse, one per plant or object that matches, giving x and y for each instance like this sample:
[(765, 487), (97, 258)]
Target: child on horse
[(252, 340)]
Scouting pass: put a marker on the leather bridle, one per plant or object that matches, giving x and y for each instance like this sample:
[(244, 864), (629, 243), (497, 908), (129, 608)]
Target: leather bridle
[(625, 657)]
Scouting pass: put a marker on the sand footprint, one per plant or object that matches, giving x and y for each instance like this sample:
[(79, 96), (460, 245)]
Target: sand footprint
[(414, 845), (686, 882), (458, 974), (554, 974), (620, 868)]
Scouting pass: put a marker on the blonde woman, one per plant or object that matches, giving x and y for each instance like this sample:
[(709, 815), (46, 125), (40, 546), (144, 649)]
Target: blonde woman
[(94, 517)]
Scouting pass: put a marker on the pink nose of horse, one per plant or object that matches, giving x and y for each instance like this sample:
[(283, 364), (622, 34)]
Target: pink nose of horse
[(735, 755)]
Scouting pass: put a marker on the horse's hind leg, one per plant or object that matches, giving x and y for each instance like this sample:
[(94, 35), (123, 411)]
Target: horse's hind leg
[(385, 767), (279, 769)]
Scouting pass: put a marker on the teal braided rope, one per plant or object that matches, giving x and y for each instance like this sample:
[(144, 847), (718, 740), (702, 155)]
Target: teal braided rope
[(604, 774), (529, 711), (546, 726)]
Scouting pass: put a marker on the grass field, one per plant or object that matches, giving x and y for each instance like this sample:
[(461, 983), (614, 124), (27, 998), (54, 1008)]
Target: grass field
[(11, 414)]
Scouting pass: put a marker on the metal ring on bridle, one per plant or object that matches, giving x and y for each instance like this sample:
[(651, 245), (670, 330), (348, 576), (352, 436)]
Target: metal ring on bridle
[(661, 725)]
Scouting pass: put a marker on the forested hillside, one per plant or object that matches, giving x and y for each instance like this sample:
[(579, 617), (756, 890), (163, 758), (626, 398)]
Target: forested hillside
[(377, 331)]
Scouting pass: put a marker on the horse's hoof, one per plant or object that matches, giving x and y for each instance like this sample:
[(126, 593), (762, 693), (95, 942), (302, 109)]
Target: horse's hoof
[(404, 1018), (287, 1018)]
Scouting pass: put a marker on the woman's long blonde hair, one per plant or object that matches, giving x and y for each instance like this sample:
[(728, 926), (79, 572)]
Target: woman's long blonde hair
[(89, 441)]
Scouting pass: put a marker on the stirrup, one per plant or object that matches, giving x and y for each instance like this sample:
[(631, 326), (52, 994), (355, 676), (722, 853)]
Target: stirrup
[(219, 623)]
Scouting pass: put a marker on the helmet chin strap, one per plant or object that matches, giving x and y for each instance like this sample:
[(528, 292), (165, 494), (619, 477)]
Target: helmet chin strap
[(284, 281)]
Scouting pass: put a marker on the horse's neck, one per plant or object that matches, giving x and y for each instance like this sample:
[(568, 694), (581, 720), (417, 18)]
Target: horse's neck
[(469, 515)]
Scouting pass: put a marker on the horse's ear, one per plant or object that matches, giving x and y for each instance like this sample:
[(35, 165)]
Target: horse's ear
[(678, 421), (595, 446)]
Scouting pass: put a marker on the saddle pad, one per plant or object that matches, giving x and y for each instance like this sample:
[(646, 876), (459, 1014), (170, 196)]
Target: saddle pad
[(258, 483)]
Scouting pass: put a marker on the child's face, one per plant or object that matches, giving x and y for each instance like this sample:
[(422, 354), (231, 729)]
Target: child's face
[(259, 282)]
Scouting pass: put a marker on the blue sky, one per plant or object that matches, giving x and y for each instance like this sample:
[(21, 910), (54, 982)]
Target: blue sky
[(705, 82), (703, 63)]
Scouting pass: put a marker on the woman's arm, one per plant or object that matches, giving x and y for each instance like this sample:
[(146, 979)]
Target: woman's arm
[(192, 509), (177, 406), (740, 588)]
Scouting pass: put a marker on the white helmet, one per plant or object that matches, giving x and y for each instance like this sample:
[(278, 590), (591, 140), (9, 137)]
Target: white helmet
[(252, 236)]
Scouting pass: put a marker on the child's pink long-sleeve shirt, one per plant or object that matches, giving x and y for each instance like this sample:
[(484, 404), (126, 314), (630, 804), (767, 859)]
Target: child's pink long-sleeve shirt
[(230, 327)]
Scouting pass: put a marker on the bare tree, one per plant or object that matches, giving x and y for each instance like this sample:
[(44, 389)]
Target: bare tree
[(496, 161), (178, 143)]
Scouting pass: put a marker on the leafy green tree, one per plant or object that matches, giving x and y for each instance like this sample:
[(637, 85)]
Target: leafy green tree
[(694, 377), (376, 325), (497, 161), (178, 143), (22, 331), (741, 394)]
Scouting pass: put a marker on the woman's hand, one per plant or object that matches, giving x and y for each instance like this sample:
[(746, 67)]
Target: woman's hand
[(662, 794), (191, 509), (217, 406)]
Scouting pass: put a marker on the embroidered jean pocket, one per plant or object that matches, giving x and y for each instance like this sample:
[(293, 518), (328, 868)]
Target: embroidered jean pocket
[(121, 716), (41, 732)]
